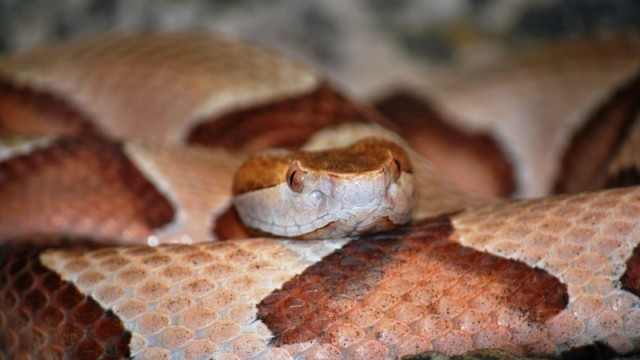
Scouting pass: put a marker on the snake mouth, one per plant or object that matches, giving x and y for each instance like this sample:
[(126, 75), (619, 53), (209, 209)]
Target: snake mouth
[(342, 223)]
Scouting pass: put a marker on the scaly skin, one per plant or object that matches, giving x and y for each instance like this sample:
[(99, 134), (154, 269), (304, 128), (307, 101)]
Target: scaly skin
[(536, 277)]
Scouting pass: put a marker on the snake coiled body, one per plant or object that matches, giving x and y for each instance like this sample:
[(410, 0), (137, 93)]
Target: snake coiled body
[(119, 237)]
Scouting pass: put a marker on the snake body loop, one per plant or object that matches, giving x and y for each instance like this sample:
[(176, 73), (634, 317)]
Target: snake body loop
[(125, 233)]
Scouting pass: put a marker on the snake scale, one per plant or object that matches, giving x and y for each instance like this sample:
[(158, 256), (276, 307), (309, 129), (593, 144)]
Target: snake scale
[(118, 237)]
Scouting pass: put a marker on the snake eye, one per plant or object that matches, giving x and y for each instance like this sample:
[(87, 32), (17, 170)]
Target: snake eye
[(396, 168), (295, 178)]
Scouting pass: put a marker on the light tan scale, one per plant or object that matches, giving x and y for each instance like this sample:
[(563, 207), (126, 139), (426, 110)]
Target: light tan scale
[(187, 302), (586, 241), (198, 199)]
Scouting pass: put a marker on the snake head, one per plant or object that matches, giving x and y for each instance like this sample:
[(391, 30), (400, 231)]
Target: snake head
[(368, 186)]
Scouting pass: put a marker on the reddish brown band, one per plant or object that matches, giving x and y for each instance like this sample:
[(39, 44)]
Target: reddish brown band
[(48, 318), (473, 161), (631, 278), (63, 188), (229, 226), (421, 267), (26, 112), (599, 141), (287, 123)]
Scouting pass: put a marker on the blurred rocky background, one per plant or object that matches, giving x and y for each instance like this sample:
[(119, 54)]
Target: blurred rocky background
[(364, 45)]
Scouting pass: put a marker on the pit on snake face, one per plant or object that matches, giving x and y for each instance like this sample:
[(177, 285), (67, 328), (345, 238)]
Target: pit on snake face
[(368, 186)]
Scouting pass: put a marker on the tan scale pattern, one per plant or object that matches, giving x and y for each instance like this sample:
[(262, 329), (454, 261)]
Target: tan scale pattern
[(126, 81), (584, 240), (75, 186), (198, 198), (385, 295), (189, 302)]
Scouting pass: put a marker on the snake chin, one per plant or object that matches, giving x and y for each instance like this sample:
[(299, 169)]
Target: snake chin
[(338, 225)]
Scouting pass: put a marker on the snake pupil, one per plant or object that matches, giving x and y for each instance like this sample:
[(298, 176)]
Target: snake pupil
[(291, 178), (397, 168), (295, 177)]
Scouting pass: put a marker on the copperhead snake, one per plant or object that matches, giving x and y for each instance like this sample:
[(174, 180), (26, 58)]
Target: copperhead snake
[(94, 150)]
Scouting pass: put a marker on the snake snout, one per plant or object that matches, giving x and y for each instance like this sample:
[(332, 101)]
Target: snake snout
[(358, 190)]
